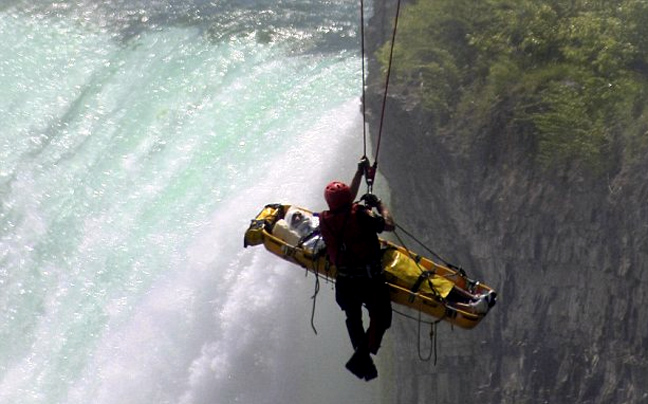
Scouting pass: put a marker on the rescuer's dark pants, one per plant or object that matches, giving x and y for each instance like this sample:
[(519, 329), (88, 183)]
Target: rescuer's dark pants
[(350, 294)]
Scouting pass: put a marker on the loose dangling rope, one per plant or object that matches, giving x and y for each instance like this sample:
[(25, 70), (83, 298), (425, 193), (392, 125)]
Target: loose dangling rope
[(314, 297), (433, 341), (418, 341)]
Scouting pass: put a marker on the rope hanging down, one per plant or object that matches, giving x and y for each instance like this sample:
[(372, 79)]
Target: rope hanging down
[(371, 172)]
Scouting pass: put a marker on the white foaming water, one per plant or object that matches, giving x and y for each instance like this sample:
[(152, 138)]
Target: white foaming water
[(232, 325), (135, 148)]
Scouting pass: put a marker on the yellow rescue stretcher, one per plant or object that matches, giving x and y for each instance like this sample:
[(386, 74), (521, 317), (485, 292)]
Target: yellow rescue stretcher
[(415, 281)]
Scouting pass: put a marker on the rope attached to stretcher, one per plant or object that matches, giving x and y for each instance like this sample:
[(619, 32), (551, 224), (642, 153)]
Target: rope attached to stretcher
[(425, 275), (428, 249)]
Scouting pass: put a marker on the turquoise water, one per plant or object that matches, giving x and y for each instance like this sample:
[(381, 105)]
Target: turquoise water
[(137, 141)]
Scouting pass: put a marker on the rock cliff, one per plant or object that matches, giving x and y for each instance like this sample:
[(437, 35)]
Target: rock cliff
[(567, 252)]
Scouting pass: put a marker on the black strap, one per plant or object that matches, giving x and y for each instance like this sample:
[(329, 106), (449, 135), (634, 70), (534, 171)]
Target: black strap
[(425, 275), (307, 237)]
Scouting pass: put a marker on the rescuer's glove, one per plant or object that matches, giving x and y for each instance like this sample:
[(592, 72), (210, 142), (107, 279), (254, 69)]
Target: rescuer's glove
[(363, 164), (370, 200)]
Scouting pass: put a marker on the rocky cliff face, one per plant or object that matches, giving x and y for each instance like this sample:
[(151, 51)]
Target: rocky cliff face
[(568, 254)]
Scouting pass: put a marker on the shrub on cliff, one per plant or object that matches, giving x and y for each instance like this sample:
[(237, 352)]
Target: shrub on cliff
[(570, 74)]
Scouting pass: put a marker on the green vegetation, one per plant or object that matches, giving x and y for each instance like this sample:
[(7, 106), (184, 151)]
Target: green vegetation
[(570, 74)]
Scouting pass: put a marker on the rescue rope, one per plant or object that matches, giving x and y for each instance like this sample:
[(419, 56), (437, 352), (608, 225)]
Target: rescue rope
[(428, 249), (389, 67), (364, 110), (371, 171)]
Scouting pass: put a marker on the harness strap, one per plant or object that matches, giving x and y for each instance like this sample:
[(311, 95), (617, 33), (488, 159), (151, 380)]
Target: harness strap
[(369, 271), (417, 285), (307, 237)]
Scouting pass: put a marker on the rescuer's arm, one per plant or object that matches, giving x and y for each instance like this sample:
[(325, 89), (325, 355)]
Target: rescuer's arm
[(357, 178), (384, 212), (372, 201)]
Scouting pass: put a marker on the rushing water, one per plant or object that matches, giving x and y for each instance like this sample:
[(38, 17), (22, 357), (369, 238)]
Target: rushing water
[(137, 140)]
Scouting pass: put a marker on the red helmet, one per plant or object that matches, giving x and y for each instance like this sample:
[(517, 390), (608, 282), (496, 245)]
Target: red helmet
[(337, 195)]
